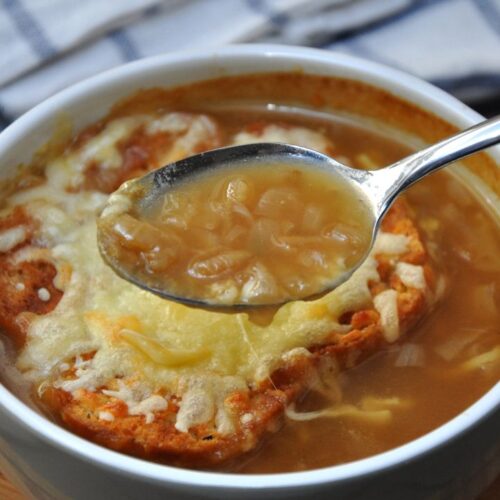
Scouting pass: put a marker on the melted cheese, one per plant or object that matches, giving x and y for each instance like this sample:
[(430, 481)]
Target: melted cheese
[(43, 294), (102, 148), (192, 131), (138, 399), (106, 416), (151, 344), (411, 275), (203, 400), (10, 238), (386, 303), (299, 136), (68, 170), (392, 244)]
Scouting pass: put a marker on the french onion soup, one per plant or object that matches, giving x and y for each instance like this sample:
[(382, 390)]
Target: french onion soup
[(261, 234), (408, 342)]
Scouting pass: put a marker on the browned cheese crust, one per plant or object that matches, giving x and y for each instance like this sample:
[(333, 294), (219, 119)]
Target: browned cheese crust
[(16, 305), (202, 446)]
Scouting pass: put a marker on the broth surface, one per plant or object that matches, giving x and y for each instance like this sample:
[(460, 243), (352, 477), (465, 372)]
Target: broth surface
[(454, 353), (447, 373)]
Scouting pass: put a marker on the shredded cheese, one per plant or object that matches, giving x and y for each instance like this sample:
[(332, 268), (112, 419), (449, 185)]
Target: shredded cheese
[(411, 275), (148, 407), (387, 306), (292, 135), (392, 244), (106, 416), (142, 343), (203, 401), (102, 148), (192, 132), (246, 418), (10, 238), (43, 294)]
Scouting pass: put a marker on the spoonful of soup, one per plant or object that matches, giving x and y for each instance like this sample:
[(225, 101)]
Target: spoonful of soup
[(259, 224)]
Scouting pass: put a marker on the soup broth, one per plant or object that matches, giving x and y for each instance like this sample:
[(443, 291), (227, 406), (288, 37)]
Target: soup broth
[(444, 365), (406, 344), (262, 234)]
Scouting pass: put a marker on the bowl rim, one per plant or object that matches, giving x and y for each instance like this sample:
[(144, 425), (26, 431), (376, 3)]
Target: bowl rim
[(415, 90)]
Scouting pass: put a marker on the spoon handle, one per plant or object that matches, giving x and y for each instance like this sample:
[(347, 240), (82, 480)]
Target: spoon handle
[(389, 182)]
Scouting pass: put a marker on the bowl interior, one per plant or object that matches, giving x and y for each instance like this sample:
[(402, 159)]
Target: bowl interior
[(349, 87)]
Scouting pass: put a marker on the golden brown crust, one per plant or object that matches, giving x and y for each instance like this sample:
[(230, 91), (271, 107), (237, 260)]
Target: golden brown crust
[(160, 440), (202, 446), (139, 153), (16, 303)]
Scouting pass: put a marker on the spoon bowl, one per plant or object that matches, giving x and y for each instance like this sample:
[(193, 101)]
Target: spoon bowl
[(370, 190)]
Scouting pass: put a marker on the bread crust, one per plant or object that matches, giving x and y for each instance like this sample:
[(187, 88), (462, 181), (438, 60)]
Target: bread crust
[(257, 412), (21, 281), (264, 405)]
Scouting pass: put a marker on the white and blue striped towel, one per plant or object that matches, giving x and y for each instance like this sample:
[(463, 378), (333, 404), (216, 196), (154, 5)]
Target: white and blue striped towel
[(45, 45)]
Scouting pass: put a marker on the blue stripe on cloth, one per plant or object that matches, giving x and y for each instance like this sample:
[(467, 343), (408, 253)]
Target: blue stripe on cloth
[(490, 12), (127, 48), (278, 19), (378, 24), (324, 40), (152, 11), (29, 28), (416, 6), (491, 80), (4, 119), (488, 107), (363, 50)]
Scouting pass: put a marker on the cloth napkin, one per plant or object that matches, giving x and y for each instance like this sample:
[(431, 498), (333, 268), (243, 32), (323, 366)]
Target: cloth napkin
[(46, 45)]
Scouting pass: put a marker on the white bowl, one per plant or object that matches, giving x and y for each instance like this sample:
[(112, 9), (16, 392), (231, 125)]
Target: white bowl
[(456, 460)]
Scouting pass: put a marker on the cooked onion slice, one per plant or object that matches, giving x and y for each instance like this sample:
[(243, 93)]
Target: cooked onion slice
[(279, 202), (371, 410), (486, 360), (223, 263), (410, 355)]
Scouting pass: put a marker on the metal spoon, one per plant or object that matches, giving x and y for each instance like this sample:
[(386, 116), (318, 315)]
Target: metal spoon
[(376, 189)]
